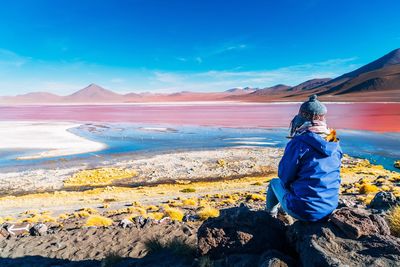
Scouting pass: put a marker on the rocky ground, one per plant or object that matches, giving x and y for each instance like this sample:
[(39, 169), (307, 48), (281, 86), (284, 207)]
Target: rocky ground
[(214, 223)]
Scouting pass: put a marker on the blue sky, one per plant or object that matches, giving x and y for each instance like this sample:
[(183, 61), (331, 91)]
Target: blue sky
[(61, 46)]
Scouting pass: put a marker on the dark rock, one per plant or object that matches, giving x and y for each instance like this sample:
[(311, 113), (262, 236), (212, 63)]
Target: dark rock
[(356, 223), (39, 229), (241, 260), (383, 201), (326, 244), (240, 230)]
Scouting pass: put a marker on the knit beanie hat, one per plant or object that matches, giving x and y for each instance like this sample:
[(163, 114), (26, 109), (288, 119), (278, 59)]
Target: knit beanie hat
[(313, 109)]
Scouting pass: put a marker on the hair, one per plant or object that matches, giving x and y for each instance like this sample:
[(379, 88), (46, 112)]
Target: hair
[(296, 122)]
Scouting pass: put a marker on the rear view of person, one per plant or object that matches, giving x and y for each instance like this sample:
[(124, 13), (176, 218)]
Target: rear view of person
[(309, 171)]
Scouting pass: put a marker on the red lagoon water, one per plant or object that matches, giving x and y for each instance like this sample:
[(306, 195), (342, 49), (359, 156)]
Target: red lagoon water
[(381, 117)]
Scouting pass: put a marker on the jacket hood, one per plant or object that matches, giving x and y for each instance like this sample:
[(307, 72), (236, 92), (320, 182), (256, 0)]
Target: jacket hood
[(320, 144)]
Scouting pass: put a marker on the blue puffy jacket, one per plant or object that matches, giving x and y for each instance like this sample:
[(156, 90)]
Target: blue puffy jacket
[(310, 172)]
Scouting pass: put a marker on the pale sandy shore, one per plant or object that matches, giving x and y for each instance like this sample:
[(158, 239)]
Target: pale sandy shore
[(52, 139), (162, 168)]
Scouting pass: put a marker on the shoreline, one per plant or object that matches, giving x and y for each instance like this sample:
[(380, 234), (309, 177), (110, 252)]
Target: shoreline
[(154, 168), (49, 139)]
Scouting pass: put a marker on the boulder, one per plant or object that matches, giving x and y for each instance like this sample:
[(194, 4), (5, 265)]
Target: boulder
[(125, 223), (343, 241), (356, 223), (240, 230), (39, 229), (4, 234), (139, 221), (383, 201), (345, 202), (17, 229), (147, 223)]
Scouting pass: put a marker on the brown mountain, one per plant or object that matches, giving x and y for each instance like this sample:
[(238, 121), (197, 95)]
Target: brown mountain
[(276, 89), (93, 94), (34, 97), (376, 81), (308, 85), (241, 91)]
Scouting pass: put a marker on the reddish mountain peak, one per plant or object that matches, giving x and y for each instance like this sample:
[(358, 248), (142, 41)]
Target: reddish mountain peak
[(94, 93), (93, 89)]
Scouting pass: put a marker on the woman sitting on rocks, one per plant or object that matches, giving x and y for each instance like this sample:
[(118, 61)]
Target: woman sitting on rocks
[(309, 171)]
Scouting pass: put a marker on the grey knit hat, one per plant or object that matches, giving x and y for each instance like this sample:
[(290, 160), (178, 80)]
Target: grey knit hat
[(310, 110), (313, 109)]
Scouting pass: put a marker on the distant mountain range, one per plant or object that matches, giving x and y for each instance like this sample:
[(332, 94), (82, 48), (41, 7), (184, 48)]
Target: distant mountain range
[(378, 81)]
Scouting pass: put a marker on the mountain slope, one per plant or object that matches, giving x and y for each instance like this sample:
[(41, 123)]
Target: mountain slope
[(378, 76), (94, 93), (34, 97), (308, 85)]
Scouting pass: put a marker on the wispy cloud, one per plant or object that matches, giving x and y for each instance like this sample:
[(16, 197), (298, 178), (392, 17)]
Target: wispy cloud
[(204, 53), (9, 58), (226, 47), (222, 80)]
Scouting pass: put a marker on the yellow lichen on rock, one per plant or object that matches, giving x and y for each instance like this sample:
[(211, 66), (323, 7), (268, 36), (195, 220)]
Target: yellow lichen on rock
[(137, 210), (188, 190), (89, 210), (152, 208), (174, 214), (81, 214), (101, 176), (208, 212), (155, 215), (394, 221), (189, 202), (366, 188), (98, 221), (39, 218), (63, 216)]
